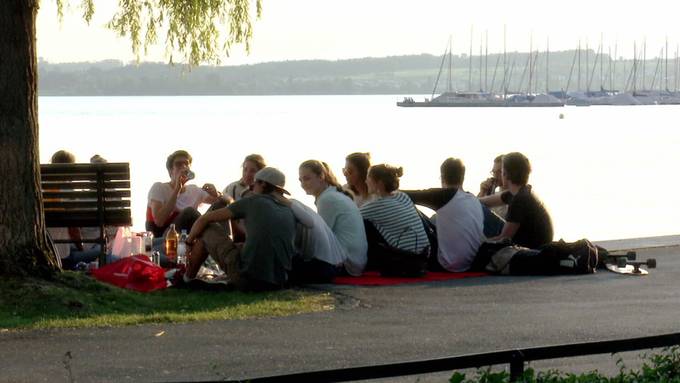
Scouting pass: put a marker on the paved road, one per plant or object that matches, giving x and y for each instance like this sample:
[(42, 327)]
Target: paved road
[(371, 325)]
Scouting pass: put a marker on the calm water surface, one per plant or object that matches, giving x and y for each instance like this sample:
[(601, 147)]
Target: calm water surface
[(604, 172)]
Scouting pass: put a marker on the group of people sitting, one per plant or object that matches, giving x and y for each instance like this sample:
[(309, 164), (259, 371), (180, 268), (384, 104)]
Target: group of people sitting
[(265, 240)]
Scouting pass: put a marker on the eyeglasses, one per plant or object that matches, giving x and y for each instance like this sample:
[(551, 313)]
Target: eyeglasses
[(347, 171)]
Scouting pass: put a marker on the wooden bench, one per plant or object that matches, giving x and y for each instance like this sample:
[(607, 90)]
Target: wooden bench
[(86, 195)]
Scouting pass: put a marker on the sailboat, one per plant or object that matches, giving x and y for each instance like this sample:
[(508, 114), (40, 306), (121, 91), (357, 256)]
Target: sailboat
[(453, 98)]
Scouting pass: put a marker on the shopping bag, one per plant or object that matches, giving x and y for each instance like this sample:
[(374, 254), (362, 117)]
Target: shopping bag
[(135, 273)]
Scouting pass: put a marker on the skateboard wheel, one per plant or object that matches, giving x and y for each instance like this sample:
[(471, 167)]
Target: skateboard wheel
[(651, 263), (621, 261)]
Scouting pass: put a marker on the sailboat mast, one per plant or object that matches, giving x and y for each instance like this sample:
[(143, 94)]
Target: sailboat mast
[(634, 67), (531, 53), (666, 76), (486, 61), (601, 61), (450, 63), (480, 63), (587, 68), (571, 71), (616, 47), (441, 66), (547, 66), (505, 69), (578, 75), (644, 63), (611, 74), (470, 61), (677, 56)]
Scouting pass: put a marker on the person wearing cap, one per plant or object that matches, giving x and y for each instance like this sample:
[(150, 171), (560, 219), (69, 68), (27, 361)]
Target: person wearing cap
[(236, 190), (266, 257)]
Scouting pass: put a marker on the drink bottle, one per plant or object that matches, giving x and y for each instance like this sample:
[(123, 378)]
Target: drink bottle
[(171, 243), (182, 248)]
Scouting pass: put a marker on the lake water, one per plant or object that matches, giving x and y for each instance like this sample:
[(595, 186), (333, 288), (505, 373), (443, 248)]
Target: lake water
[(603, 172)]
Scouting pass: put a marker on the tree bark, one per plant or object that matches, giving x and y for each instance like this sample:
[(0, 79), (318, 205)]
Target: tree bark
[(24, 248)]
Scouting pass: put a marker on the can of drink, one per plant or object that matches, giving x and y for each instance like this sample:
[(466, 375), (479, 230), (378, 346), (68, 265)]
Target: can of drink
[(94, 265), (148, 243), (156, 257), (190, 175)]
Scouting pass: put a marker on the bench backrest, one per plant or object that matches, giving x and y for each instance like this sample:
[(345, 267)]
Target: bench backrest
[(86, 195)]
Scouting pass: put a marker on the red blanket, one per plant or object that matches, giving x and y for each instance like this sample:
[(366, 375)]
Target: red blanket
[(373, 278)]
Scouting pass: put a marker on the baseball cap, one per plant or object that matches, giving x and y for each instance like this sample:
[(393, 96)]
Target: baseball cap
[(272, 176)]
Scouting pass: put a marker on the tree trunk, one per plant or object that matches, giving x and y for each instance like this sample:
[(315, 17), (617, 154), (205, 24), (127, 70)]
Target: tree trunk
[(24, 248)]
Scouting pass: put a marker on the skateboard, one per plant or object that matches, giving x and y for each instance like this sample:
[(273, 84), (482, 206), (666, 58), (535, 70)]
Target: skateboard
[(627, 264)]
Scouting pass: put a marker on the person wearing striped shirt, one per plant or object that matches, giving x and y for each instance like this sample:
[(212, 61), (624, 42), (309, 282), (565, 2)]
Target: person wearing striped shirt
[(392, 218)]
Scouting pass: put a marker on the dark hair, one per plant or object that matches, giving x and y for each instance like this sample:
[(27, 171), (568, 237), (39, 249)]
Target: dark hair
[(362, 161), (63, 157), (452, 171), (498, 159), (322, 170), (517, 168), (257, 159), (177, 153), (97, 159), (388, 175), (268, 188)]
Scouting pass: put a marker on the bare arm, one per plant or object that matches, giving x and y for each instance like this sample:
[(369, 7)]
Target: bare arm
[(162, 211), (509, 230), (213, 195), (487, 187), (492, 200)]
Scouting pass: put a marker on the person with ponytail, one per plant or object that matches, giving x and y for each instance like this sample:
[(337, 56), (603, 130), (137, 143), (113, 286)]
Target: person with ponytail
[(392, 218), (338, 211), (355, 171)]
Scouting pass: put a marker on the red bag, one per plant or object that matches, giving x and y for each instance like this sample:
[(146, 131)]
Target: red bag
[(134, 273)]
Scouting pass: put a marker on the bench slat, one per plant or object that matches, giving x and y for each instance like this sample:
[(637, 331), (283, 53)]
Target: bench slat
[(80, 218), (90, 194), (83, 185), (83, 177), (112, 167), (84, 205)]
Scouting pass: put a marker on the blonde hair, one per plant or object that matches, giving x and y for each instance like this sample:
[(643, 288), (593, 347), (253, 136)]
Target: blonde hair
[(387, 174), (322, 170)]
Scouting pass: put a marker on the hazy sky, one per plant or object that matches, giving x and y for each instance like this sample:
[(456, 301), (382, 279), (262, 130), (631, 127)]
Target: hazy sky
[(334, 29)]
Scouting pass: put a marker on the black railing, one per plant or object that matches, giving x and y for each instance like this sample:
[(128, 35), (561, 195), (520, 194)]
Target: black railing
[(515, 358)]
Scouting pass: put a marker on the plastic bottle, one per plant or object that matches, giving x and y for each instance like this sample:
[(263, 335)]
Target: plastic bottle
[(171, 243), (182, 248)]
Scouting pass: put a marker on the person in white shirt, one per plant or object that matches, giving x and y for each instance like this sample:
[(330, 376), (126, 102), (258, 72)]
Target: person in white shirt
[(462, 220), (338, 211), (176, 201)]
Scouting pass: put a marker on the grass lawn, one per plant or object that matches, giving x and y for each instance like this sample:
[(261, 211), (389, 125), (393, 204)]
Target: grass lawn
[(75, 300)]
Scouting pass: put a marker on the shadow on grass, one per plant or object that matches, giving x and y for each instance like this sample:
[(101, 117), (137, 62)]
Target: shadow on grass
[(75, 300)]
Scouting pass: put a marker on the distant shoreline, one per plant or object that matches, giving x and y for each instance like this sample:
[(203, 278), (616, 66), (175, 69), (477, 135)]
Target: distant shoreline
[(395, 75)]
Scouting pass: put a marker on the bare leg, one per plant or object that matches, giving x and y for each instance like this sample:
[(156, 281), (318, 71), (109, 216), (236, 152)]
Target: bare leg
[(195, 258), (222, 249)]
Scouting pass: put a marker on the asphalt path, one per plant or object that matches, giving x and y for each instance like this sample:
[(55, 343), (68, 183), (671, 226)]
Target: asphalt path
[(370, 325)]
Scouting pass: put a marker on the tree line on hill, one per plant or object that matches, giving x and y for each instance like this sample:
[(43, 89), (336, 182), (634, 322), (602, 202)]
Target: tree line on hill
[(412, 74)]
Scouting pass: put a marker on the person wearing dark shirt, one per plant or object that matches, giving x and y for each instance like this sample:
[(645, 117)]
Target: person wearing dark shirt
[(266, 257), (528, 222)]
